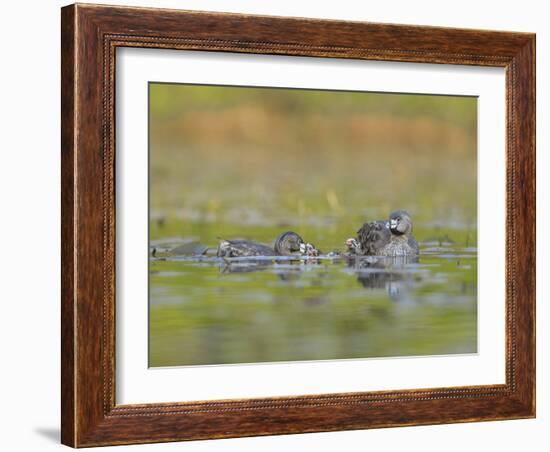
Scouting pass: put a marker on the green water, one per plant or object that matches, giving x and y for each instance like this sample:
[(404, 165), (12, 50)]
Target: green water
[(254, 162), (210, 311)]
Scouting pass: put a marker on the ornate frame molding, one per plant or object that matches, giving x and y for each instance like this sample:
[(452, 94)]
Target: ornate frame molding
[(90, 37)]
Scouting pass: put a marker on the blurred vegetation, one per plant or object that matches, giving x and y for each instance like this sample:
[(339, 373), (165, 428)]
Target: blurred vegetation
[(170, 101), (238, 156), (251, 162)]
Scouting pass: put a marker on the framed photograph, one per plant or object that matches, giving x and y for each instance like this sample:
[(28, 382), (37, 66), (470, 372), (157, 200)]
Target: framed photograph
[(281, 225)]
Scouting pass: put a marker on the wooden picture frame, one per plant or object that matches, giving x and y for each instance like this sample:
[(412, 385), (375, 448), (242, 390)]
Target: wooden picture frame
[(90, 36)]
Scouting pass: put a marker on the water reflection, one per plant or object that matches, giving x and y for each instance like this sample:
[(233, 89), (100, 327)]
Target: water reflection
[(286, 268), (394, 274), (208, 310)]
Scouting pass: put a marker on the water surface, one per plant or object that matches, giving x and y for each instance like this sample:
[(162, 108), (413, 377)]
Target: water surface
[(206, 310)]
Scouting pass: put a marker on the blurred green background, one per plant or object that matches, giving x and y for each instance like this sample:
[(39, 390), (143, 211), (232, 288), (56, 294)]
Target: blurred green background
[(252, 162)]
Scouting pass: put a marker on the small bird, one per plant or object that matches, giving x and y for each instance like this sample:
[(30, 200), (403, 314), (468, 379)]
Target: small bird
[(290, 243), (240, 248), (287, 244), (385, 238), (402, 242)]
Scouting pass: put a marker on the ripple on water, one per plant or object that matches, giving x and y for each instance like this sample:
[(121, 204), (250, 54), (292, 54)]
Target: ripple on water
[(263, 308)]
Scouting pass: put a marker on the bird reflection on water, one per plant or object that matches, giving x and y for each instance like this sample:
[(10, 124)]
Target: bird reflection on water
[(390, 273), (280, 308), (395, 274)]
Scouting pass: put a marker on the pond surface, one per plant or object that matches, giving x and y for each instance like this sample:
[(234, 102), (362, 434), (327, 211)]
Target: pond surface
[(252, 163), (206, 310)]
